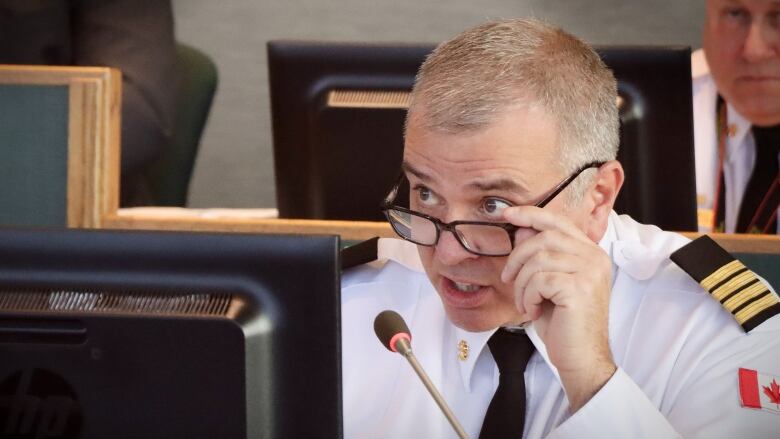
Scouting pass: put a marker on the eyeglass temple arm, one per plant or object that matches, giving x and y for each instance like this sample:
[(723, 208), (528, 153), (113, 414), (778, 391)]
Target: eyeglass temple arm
[(562, 185)]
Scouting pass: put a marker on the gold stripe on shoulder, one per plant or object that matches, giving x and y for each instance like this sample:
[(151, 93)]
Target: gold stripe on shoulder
[(748, 293), (732, 285), (756, 307), (721, 273)]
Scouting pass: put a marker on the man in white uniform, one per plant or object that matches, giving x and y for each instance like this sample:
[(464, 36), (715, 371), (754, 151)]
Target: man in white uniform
[(736, 101), (510, 149)]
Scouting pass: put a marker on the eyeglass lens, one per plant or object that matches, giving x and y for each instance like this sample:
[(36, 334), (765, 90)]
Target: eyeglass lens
[(484, 239), (413, 227), (478, 238)]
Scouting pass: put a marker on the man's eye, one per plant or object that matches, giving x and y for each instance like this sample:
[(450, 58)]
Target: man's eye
[(737, 14), (426, 196), (494, 206)]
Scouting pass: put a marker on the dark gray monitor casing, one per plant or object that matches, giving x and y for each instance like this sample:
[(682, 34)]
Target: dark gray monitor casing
[(169, 335)]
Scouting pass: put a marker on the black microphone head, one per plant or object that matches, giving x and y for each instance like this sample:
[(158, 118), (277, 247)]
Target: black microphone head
[(388, 325)]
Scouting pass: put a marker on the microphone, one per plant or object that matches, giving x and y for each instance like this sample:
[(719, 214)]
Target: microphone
[(392, 331)]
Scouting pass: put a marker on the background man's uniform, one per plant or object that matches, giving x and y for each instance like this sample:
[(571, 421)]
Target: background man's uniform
[(677, 350), (740, 154)]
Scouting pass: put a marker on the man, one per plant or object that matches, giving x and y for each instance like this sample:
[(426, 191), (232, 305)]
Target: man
[(510, 149), (131, 35), (736, 96)]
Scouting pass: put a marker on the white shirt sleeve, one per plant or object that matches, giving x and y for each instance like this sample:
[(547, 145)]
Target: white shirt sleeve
[(704, 404), (619, 410)]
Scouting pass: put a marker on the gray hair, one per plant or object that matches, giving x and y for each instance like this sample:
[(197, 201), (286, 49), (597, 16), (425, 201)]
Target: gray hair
[(471, 79)]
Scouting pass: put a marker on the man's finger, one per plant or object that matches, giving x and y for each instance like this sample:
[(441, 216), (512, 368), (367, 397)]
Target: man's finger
[(544, 286), (553, 241), (542, 220), (547, 261)]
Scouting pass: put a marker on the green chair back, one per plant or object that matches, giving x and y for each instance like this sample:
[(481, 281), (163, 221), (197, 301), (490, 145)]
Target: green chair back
[(169, 177)]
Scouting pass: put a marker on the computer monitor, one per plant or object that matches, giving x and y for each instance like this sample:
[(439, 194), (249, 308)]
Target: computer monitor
[(112, 334), (338, 112)]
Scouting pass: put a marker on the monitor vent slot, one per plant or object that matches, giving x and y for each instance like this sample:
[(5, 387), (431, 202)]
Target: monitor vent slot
[(116, 303), (369, 99)]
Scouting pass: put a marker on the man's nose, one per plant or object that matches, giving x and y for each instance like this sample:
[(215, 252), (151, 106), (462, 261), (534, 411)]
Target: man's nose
[(761, 42), (449, 251)]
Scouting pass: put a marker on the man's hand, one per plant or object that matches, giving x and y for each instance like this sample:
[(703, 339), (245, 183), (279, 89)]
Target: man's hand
[(562, 281)]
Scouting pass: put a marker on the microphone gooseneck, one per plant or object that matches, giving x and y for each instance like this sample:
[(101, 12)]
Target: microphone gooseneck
[(392, 331)]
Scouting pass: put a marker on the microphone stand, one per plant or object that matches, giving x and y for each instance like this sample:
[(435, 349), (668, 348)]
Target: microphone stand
[(405, 348)]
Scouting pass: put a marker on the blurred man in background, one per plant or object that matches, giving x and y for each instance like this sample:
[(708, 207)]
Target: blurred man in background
[(736, 98)]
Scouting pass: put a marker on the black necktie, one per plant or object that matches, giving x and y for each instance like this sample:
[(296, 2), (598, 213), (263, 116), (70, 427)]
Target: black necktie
[(505, 415), (720, 213), (758, 204)]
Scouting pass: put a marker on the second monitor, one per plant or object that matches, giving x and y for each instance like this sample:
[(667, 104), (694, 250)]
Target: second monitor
[(338, 113)]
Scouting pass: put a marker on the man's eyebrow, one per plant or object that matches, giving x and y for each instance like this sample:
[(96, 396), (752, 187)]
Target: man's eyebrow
[(499, 184), (406, 167)]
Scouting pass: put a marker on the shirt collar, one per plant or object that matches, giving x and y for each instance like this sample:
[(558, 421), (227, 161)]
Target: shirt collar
[(699, 66), (736, 141), (476, 343), (610, 235), (477, 347)]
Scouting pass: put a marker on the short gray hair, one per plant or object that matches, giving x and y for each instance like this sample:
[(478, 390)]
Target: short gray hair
[(466, 82)]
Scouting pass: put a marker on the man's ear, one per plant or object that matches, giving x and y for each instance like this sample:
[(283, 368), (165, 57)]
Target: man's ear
[(601, 198)]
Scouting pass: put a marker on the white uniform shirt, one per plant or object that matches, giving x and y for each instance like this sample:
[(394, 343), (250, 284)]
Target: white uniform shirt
[(740, 149), (677, 353)]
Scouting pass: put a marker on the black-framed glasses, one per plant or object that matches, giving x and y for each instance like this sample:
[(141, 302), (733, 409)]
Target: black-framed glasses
[(478, 237)]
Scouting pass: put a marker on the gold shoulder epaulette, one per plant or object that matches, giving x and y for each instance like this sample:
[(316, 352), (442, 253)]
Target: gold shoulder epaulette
[(730, 282)]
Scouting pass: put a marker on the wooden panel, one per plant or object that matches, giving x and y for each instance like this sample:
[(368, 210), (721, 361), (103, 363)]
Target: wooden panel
[(183, 220), (94, 101), (243, 220)]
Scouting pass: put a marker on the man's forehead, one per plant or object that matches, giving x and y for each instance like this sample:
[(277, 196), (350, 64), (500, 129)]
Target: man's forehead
[(746, 3), (460, 116), (519, 139)]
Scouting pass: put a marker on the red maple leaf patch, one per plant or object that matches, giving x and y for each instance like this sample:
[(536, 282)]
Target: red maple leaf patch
[(773, 392)]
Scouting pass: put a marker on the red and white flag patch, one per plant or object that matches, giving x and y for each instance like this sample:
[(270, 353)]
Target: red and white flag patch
[(759, 391)]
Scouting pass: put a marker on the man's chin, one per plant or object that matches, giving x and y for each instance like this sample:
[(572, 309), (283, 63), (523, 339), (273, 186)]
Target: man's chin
[(763, 110)]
